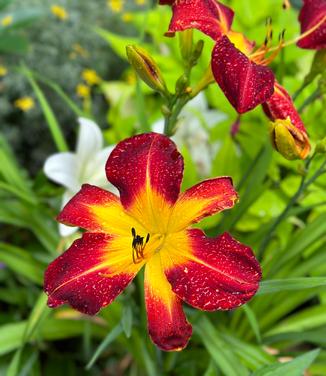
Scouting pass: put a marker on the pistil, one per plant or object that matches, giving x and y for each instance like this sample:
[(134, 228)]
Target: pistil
[(138, 245)]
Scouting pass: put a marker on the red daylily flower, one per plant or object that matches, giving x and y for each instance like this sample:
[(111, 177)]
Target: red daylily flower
[(244, 83), (209, 16), (313, 17), (289, 135), (150, 225)]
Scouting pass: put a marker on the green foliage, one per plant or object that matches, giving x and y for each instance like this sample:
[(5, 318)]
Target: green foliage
[(281, 213)]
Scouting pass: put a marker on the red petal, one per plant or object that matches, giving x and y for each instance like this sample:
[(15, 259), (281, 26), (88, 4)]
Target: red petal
[(167, 324), (147, 169), (280, 106), (201, 200), (95, 209), (312, 13), (166, 2), (244, 83), (90, 274), (209, 16), (216, 273)]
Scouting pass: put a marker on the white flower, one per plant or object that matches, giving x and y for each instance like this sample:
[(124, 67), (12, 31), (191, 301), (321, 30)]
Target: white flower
[(86, 165), (193, 131)]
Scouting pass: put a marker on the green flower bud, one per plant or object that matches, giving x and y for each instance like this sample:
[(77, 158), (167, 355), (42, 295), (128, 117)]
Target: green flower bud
[(321, 146), (289, 140), (146, 68), (185, 43)]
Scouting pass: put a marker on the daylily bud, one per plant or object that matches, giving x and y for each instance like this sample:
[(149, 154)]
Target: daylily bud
[(321, 146), (197, 52), (185, 42), (288, 140), (146, 68), (181, 84)]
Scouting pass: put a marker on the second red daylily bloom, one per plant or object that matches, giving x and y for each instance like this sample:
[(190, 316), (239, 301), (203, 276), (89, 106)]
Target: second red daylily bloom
[(209, 16), (288, 133), (150, 225), (313, 17)]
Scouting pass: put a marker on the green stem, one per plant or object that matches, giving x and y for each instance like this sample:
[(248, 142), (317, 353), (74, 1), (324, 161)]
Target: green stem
[(171, 119), (300, 90), (315, 95), (302, 187)]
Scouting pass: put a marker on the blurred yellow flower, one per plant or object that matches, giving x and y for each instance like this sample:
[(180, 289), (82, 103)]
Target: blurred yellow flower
[(115, 5), (3, 71), (127, 17), (6, 21), (80, 50), (59, 12), (83, 90), (140, 2), (91, 77), (24, 103)]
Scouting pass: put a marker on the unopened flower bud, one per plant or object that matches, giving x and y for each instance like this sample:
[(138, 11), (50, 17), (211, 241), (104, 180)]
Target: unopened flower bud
[(146, 68), (185, 42), (197, 52), (288, 140), (181, 84), (321, 146)]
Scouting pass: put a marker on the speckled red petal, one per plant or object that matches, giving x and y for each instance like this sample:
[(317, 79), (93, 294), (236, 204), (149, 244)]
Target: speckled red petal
[(84, 277), (78, 211), (280, 106), (313, 13), (167, 323), (202, 200), (220, 273), (209, 16), (97, 210), (244, 83), (146, 162)]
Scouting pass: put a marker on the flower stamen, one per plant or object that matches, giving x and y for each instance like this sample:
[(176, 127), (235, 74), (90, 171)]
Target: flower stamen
[(259, 52), (138, 246), (260, 55)]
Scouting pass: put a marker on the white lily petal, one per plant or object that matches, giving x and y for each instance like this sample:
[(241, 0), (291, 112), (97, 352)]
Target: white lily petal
[(199, 102), (63, 229), (62, 169), (99, 176), (90, 141), (158, 126), (213, 117)]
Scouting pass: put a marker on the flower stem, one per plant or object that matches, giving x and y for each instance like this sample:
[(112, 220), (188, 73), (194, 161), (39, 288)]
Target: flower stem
[(315, 95), (172, 118), (302, 187)]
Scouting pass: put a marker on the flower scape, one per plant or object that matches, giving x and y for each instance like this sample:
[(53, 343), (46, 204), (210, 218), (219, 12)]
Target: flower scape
[(150, 226)]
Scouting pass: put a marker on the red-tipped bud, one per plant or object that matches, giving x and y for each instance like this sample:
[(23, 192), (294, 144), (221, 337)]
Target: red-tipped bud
[(280, 106), (289, 140), (287, 131)]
